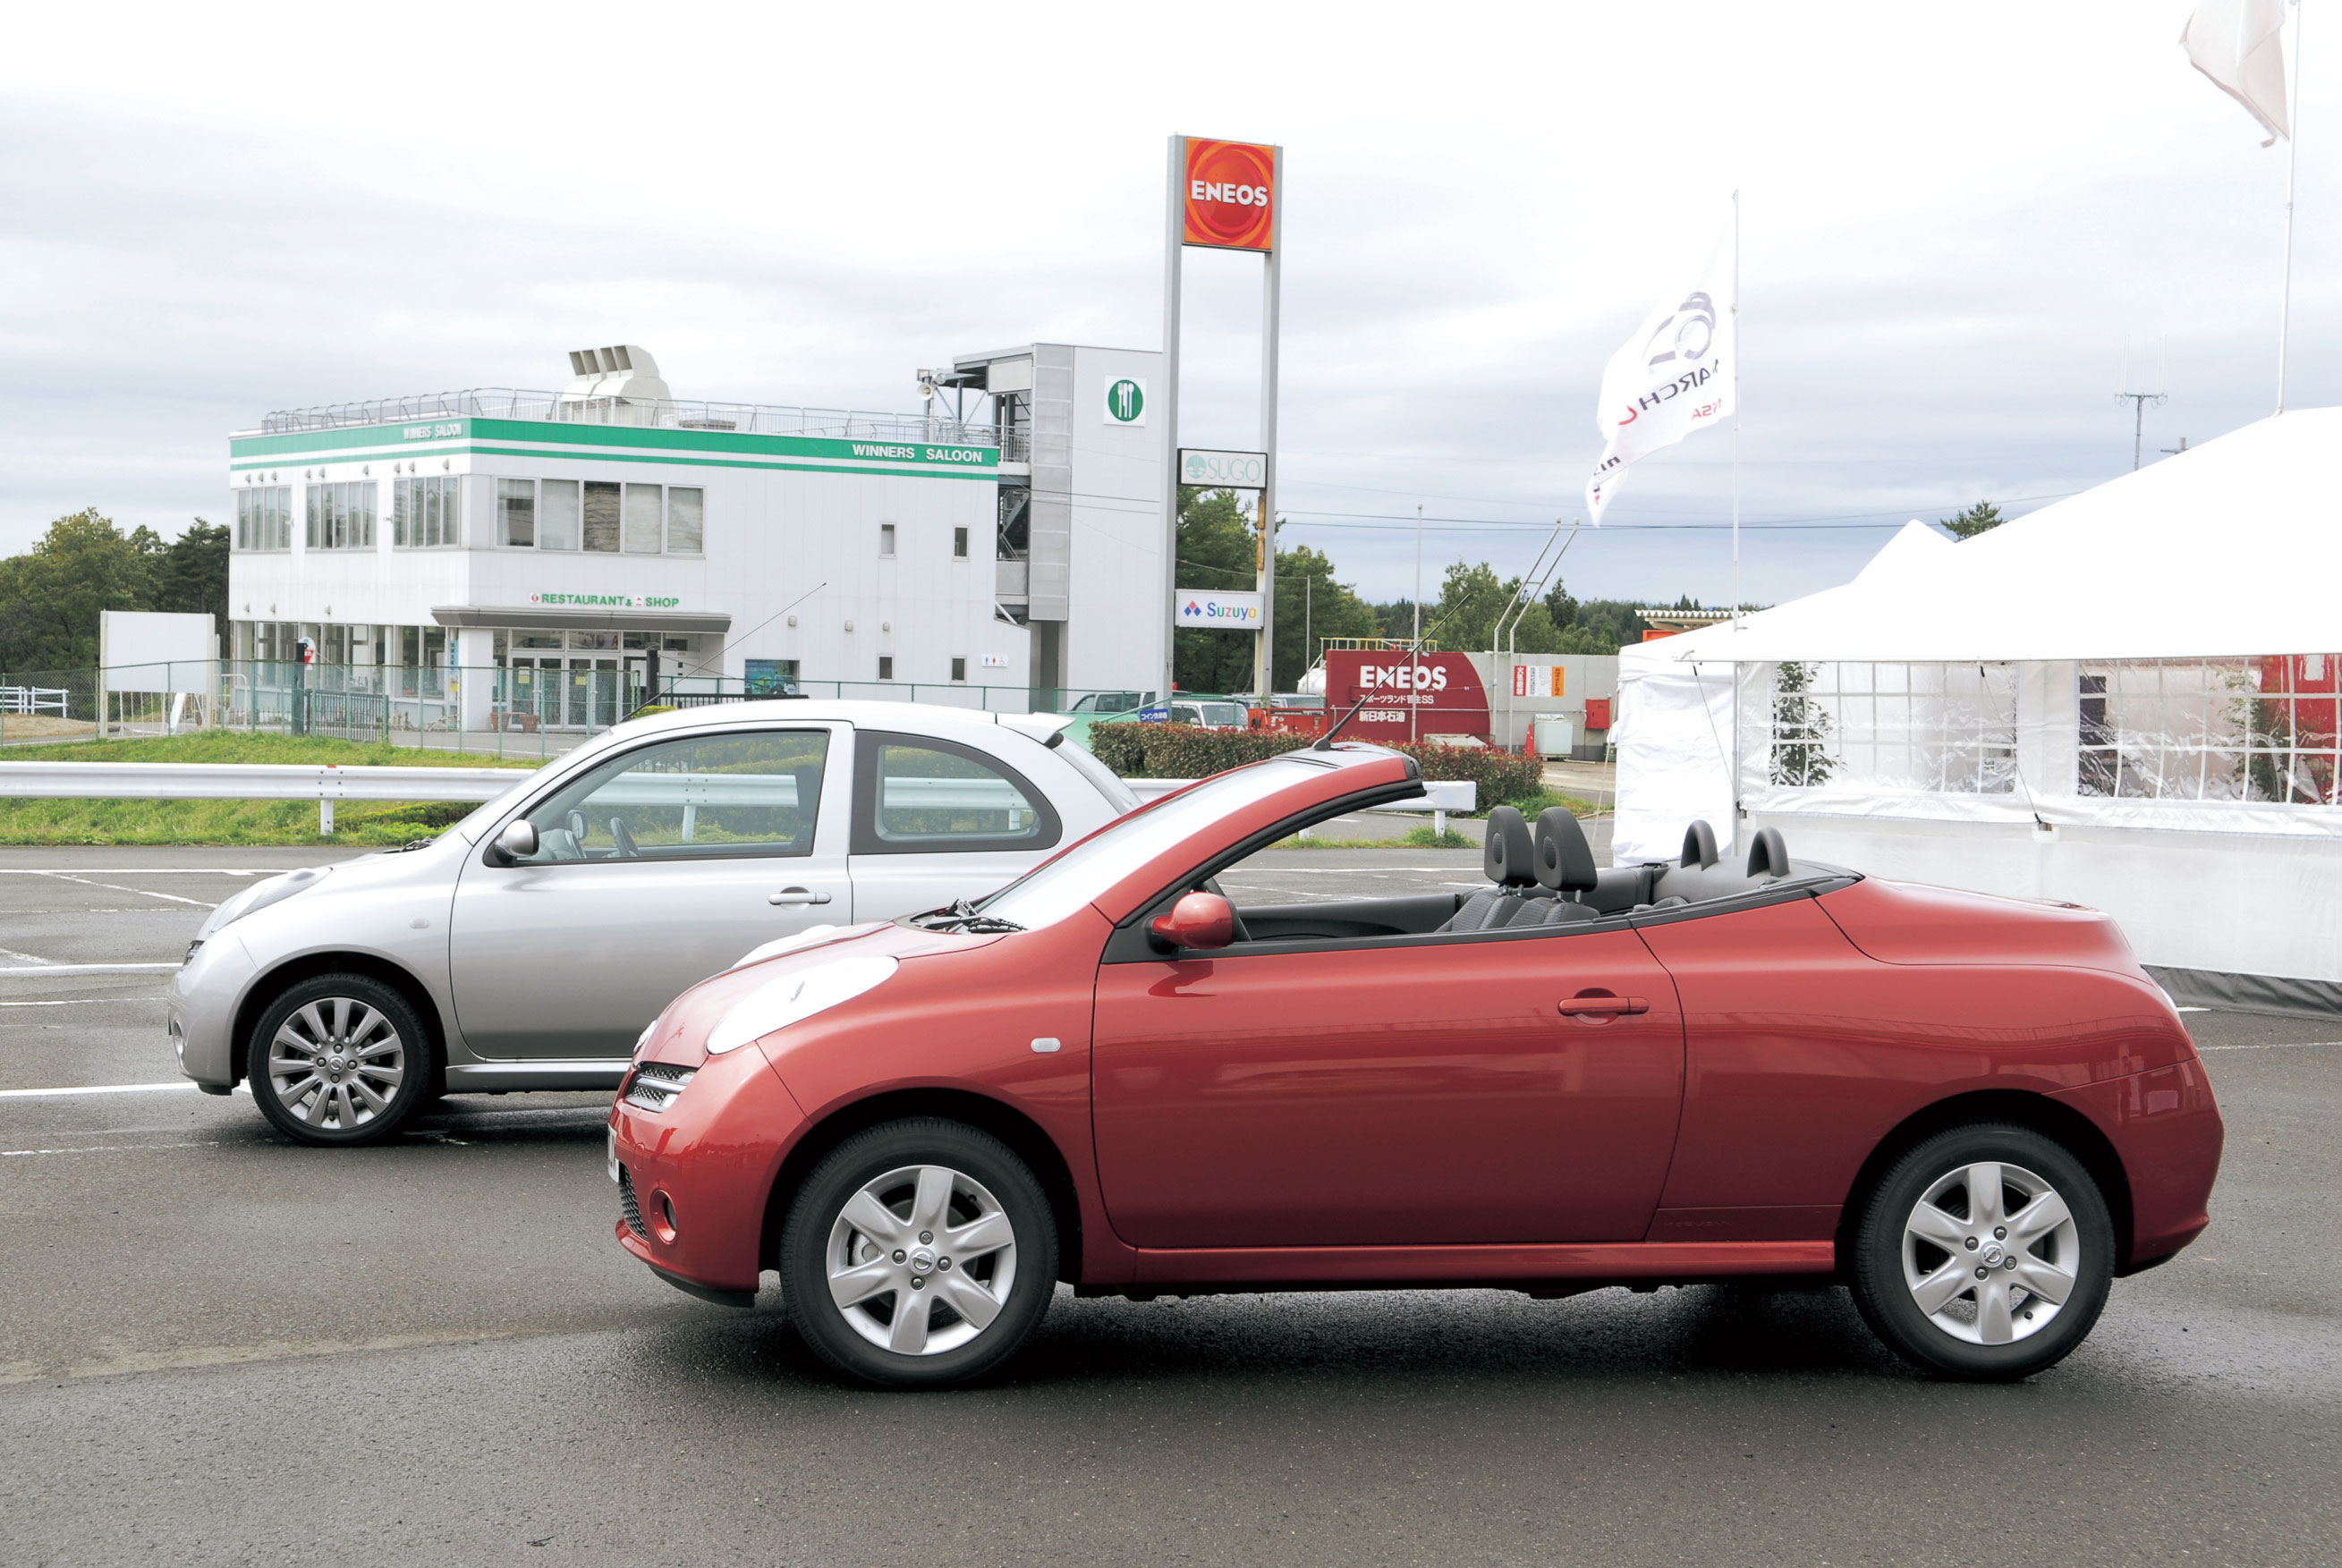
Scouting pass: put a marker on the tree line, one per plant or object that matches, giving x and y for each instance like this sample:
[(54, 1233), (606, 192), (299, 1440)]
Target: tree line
[(1218, 548), (50, 596)]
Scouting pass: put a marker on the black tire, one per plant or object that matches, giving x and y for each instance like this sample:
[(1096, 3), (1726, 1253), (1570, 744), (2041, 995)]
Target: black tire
[(1953, 1344), (332, 1105), (984, 1173)]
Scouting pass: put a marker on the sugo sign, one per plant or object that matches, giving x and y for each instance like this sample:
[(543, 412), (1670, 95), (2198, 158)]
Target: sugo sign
[(1231, 195), (1223, 470)]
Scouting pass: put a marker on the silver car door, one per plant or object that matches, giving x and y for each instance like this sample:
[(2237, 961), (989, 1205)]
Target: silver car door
[(654, 870), (936, 820)]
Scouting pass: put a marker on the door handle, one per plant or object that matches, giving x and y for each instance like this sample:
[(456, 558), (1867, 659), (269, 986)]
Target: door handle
[(797, 895), (1603, 1006)]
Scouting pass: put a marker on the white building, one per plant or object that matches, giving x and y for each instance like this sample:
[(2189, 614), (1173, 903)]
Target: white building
[(535, 558)]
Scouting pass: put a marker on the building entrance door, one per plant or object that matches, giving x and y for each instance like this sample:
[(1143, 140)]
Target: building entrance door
[(576, 691)]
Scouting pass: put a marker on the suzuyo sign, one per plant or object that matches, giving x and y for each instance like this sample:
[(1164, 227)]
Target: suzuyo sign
[(1406, 694), (1217, 610), (1231, 196)]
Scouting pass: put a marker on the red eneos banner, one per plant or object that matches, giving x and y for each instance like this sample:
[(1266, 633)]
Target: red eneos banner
[(1231, 196), (1408, 696)]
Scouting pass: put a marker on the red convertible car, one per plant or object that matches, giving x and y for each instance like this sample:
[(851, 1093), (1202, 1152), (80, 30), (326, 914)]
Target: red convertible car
[(1975, 1113)]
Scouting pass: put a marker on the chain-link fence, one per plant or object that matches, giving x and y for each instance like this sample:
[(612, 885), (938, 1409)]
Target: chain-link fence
[(539, 708)]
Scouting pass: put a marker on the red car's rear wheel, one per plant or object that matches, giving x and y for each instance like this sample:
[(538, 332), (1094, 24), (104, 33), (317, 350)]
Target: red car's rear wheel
[(1986, 1253), (918, 1254)]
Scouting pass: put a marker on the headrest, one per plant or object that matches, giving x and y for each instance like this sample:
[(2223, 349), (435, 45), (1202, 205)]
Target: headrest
[(1508, 856), (1768, 856), (1565, 860), (1699, 845)]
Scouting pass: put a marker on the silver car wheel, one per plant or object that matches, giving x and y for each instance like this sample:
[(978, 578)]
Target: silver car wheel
[(921, 1260), (1990, 1253), (335, 1064)]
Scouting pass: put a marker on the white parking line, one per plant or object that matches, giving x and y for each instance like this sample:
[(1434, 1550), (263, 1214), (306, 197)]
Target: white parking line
[(137, 892), (48, 970), (100, 1089), (109, 1149), (63, 1002), (2276, 1045)]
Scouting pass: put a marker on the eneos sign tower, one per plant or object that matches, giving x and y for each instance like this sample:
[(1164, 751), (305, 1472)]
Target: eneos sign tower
[(1222, 196)]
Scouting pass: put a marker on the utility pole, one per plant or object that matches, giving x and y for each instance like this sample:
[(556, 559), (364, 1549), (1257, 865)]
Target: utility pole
[(2138, 401), (1308, 663), (2138, 420), (1417, 643)]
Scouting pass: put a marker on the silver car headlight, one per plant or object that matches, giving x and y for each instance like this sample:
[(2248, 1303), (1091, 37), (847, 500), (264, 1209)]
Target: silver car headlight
[(791, 998), (259, 896)]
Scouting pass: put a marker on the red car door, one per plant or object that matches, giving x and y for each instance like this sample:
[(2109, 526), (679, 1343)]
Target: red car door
[(1387, 1093)]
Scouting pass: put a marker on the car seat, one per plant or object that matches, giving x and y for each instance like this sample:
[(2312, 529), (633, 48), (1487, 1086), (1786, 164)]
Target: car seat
[(1565, 865), (1508, 857)]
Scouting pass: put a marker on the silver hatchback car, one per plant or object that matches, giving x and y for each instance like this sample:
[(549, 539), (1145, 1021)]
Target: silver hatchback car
[(528, 946)]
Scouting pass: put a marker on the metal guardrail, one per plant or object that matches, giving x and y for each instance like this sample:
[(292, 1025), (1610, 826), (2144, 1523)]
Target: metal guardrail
[(32, 700), (319, 781), (324, 782)]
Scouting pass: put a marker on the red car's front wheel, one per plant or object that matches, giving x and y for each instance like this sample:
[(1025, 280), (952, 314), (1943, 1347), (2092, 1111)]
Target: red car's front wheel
[(1985, 1254), (918, 1254)]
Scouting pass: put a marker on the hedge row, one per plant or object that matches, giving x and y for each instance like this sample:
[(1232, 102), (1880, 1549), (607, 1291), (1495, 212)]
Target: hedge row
[(1157, 751)]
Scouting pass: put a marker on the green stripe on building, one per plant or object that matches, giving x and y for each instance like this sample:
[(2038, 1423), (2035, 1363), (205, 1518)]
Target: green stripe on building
[(618, 443)]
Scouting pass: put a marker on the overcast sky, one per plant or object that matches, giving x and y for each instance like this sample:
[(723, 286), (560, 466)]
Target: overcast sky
[(1953, 218)]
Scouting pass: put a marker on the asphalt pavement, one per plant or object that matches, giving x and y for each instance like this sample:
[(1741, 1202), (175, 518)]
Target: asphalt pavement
[(217, 1346)]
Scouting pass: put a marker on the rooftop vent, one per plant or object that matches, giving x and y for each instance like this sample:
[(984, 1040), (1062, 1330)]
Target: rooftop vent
[(624, 372)]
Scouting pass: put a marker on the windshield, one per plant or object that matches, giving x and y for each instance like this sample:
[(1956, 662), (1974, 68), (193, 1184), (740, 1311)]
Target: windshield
[(1049, 892)]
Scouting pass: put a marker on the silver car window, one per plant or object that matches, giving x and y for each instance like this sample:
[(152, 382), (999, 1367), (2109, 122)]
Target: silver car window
[(926, 795), (701, 798)]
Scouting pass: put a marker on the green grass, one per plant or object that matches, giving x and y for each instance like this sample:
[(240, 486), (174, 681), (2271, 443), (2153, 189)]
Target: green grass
[(233, 822), (1417, 838), (1544, 799)]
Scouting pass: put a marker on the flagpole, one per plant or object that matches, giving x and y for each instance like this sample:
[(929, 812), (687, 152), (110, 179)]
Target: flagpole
[(2292, 163), (1736, 380)]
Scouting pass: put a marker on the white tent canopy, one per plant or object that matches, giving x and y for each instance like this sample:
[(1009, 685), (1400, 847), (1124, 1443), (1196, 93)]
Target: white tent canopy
[(2124, 694), (2209, 554)]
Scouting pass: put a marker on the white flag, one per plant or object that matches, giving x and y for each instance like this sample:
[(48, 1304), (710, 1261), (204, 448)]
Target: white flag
[(1673, 377), (2240, 44)]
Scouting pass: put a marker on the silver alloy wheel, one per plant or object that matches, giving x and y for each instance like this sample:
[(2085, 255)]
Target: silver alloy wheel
[(921, 1260), (335, 1064), (1991, 1253)]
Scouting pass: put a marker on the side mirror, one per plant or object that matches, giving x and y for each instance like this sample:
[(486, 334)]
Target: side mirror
[(517, 841), (1197, 919)]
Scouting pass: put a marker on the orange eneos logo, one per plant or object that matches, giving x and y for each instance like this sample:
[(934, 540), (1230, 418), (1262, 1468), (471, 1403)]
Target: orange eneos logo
[(1231, 192)]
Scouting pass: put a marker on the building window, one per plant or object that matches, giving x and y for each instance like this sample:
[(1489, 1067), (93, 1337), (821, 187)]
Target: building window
[(959, 544), (340, 515), (601, 517), (643, 531), (771, 678), (264, 518), (686, 517), (516, 512), (885, 538), (556, 514), (1944, 729), (886, 666), (2260, 729), (426, 514), (959, 669)]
